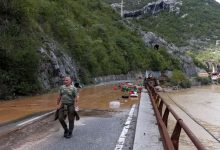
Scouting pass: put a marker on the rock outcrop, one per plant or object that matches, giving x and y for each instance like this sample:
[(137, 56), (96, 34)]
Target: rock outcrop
[(155, 7), (54, 65), (187, 63)]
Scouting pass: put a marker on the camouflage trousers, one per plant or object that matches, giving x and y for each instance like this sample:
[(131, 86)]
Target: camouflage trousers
[(67, 110)]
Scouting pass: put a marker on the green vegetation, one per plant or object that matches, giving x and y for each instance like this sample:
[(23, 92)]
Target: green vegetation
[(201, 21), (95, 36), (208, 54), (197, 59), (179, 79), (161, 60), (198, 19), (88, 30), (204, 81)]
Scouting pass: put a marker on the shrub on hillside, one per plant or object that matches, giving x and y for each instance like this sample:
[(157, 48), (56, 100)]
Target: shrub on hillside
[(179, 79), (185, 84), (204, 81)]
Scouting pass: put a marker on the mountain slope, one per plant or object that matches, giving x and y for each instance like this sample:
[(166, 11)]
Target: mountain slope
[(196, 19), (39, 36)]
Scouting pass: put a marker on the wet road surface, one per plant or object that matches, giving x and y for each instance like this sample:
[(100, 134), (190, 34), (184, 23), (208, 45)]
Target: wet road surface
[(199, 108), (98, 128), (97, 132)]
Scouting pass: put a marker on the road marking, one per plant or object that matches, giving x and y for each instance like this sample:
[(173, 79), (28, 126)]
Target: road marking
[(80, 124), (33, 119), (124, 132)]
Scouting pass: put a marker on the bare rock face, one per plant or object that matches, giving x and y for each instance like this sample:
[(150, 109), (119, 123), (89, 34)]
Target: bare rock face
[(155, 7), (187, 63), (54, 65)]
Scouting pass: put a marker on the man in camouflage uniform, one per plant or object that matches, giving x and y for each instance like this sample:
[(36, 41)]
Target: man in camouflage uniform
[(66, 105)]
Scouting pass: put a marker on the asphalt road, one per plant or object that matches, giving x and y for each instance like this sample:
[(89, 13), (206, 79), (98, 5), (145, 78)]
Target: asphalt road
[(96, 130)]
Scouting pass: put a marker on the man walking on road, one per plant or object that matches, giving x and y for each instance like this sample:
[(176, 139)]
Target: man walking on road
[(66, 105)]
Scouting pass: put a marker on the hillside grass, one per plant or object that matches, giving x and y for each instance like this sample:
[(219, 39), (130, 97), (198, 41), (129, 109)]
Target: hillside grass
[(88, 30), (211, 53), (201, 21)]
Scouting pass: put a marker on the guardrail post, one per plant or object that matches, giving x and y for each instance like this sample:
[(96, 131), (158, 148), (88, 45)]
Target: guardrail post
[(160, 107), (165, 116), (175, 136), (157, 100), (154, 94)]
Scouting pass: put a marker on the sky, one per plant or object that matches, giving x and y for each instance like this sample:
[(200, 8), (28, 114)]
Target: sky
[(217, 1)]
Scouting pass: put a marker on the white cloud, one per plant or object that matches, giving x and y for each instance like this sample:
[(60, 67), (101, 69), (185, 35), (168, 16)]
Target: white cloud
[(217, 1)]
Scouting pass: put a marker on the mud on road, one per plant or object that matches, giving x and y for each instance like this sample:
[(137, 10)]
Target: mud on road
[(92, 124), (97, 119)]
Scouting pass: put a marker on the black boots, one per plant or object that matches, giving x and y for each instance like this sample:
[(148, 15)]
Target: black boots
[(66, 133), (69, 135)]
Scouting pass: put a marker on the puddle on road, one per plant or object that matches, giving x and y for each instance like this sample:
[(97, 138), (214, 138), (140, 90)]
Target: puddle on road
[(91, 98)]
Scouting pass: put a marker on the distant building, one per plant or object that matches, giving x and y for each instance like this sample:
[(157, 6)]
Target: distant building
[(215, 77), (203, 74), (150, 73)]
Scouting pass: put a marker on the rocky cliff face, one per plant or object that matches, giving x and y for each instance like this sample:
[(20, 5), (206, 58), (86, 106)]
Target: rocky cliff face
[(187, 64), (54, 65), (154, 7)]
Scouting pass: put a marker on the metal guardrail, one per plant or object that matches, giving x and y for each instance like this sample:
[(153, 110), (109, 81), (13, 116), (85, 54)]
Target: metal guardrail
[(170, 143)]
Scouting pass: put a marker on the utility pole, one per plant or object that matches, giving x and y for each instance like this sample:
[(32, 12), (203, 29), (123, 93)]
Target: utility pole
[(122, 14)]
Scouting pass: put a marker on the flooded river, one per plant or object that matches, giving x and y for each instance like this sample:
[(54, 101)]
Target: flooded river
[(95, 97), (199, 108)]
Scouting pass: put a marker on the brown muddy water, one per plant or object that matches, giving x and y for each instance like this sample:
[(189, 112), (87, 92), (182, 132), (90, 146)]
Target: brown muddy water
[(199, 107), (95, 97)]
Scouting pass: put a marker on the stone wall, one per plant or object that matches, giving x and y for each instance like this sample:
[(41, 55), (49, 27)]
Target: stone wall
[(129, 76)]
